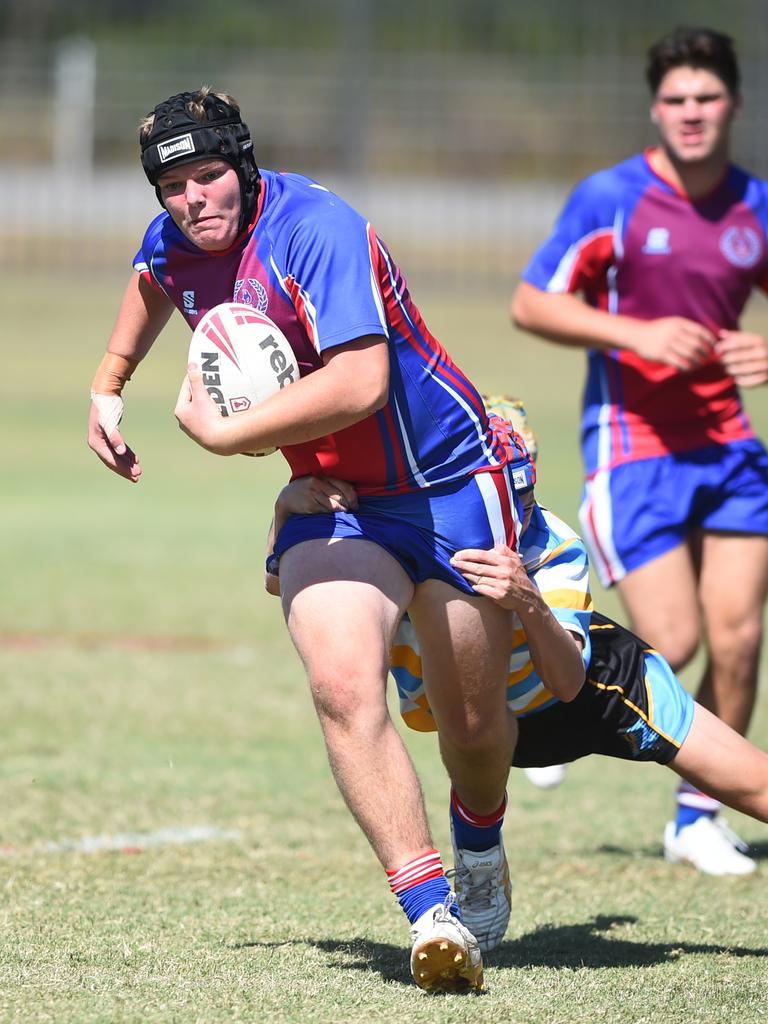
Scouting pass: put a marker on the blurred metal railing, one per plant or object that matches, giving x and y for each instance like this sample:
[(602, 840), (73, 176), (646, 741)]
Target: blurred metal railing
[(461, 159)]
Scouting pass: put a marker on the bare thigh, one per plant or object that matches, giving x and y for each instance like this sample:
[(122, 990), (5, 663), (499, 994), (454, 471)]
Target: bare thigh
[(465, 647), (342, 601), (733, 582), (661, 598)]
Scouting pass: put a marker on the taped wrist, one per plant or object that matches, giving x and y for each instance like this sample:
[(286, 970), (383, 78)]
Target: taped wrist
[(113, 373), (110, 411)]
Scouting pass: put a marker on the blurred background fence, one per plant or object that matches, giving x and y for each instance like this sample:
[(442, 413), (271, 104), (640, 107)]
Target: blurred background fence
[(455, 126)]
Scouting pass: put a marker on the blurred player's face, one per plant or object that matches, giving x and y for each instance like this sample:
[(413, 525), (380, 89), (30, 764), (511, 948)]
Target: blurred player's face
[(693, 111), (203, 197)]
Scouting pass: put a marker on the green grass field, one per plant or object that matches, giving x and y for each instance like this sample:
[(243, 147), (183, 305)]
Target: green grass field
[(149, 684)]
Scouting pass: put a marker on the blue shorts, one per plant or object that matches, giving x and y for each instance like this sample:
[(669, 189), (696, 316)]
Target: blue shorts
[(638, 511), (423, 529), (632, 706)]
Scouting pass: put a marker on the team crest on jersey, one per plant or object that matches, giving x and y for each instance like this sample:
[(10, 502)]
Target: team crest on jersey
[(252, 293), (741, 246), (657, 242)]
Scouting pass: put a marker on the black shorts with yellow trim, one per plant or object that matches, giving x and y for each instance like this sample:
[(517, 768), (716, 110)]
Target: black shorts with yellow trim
[(632, 706)]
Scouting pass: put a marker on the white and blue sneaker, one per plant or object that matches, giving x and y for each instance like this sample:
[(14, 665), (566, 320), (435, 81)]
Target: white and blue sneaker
[(484, 892), (445, 956), (709, 846)]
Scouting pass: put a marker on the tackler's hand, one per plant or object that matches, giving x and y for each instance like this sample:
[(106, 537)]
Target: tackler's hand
[(498, 574), (311, 494)]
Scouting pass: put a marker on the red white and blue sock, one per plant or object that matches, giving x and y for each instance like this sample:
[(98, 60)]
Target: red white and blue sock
[(692, 804), (421, 884), (476, 832)]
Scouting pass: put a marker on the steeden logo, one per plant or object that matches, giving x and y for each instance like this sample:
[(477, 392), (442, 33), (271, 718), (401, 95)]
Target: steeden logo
[(175, 147), (240, 404)]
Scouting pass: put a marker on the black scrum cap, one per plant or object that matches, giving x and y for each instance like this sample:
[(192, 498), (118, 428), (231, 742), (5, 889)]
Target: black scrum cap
[(178, 137)]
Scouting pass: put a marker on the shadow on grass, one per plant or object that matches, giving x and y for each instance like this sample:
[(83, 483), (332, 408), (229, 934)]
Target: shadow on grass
[(758, 851), (390, 962), (556, 946), (591, 945)]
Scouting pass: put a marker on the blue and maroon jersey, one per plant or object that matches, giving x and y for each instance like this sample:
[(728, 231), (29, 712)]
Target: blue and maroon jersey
[(631, 244), (318, 270)]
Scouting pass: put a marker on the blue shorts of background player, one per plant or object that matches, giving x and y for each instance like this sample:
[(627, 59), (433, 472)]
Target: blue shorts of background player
[(637, 511)]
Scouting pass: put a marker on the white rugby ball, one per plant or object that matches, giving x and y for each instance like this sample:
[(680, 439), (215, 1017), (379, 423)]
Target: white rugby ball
[(244, 358)]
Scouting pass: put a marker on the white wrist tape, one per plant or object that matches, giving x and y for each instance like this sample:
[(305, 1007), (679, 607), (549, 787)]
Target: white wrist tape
[(110, 411)]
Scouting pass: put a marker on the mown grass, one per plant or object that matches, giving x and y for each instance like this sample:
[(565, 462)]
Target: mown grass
[(148, 683)]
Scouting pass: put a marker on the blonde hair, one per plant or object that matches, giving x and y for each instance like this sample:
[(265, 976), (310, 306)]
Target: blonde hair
[(194, 107)]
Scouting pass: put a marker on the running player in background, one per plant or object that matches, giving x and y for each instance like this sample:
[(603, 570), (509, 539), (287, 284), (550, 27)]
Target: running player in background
[(380, 404), (649, 268)]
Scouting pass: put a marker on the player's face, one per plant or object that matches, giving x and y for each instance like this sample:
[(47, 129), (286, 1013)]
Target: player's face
[(203, 197), (693, 111)]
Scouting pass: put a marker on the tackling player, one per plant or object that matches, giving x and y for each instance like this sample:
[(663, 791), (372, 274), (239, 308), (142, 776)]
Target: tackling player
[(631, 705), (381, 404), (649, 268)]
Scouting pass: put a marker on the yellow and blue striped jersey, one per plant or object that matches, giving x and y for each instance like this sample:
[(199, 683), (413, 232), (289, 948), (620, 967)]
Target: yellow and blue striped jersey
[(555, 558)]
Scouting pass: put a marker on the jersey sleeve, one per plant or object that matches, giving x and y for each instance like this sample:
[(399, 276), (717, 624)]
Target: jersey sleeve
[(581, 248), (562, 577), (332, 275), (144, 258)]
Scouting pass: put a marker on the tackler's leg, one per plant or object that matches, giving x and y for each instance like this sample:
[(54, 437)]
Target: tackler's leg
[(716, 759)]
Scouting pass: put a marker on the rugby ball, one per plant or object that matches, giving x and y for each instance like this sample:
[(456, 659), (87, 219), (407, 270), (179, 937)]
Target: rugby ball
[(244, 358)]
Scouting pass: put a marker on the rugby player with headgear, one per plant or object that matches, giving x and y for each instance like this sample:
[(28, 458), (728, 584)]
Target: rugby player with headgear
[(380, 404)]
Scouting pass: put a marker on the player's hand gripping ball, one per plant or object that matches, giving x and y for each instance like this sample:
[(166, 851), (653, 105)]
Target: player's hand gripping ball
[(244, 358)]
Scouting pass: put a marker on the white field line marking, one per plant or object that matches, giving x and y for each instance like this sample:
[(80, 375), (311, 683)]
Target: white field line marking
[(131, 842)]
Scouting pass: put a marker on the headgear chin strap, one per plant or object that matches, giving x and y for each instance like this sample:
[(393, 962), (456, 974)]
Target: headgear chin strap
[(177, 137)]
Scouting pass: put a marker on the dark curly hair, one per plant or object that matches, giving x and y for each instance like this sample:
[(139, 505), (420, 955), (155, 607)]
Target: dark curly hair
[(697, 48)]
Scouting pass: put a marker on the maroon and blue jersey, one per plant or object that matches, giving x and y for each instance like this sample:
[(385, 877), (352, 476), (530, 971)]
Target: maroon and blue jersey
[(631, 244), (319, 271)]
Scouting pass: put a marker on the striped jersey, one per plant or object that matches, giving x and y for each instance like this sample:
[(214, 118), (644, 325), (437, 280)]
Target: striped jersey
[(320, 272), (556, 560), (631, 244)]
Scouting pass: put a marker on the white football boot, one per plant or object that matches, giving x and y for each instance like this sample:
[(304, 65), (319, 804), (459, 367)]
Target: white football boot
[(445, 956), (546, 778), (710, 846), (484, 892)]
